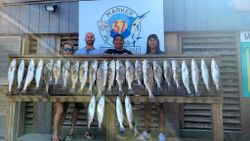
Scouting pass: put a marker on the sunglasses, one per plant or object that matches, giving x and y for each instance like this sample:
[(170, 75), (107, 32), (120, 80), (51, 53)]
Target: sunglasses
[(67, 49)]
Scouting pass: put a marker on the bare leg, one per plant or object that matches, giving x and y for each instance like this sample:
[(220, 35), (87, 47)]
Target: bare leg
[(59, 110), (147, 116), (75, 115), (161, 118)]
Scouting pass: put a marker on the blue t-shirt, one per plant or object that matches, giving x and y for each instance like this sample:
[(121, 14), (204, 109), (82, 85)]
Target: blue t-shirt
[(85, 51)]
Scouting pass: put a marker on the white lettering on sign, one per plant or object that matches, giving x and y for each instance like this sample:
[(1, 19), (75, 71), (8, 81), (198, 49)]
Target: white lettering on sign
[(245, 37)]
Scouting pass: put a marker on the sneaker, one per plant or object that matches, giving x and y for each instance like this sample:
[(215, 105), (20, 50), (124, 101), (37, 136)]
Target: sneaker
[(88, 135), (144, 136), (162, 137)]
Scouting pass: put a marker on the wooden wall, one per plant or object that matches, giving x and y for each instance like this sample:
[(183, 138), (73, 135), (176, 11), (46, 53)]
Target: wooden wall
[(33, 18), (225, 45), (179, 16)]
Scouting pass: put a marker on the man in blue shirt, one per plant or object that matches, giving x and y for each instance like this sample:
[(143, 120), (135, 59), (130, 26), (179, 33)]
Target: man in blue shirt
[(89, 48)]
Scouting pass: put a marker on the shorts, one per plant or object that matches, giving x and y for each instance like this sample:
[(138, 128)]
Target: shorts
[(79, 105)]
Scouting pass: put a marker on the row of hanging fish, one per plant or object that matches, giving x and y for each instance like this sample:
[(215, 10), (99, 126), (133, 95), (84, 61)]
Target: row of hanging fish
[(103, 74)]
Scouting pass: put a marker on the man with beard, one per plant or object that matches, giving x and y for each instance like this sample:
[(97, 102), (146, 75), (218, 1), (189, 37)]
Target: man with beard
[(87, 50)]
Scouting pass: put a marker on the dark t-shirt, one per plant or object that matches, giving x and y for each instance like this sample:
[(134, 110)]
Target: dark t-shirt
[(114, 51)]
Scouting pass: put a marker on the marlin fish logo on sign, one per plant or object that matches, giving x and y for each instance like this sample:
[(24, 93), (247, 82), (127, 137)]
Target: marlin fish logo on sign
[(134, 19), (121, 20)]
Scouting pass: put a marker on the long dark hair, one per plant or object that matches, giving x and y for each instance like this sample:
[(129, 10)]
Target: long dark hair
[(157, 46)]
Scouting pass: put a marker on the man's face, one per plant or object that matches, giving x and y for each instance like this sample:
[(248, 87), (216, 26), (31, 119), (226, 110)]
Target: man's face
[(67, 49), (90, 39), (118, 42)]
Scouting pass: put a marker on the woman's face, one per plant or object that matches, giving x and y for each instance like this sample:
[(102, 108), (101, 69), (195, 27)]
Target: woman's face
[(67, 49), (152, 42)]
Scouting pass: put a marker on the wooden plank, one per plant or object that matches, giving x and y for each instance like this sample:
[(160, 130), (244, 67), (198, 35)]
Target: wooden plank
[(64, 18), (179, 15), (24, 18), (190, 15), (201, 15), (217, 123), (11, 133), (44, 19), (205, 40), (109, 122), (34, 19), (73, 18), (54, 21), (21, 118), (5, 25), (168, 7), (43, 116), (14, 15)]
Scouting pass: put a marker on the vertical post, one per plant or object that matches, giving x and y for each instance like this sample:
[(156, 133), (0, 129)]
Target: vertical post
[(217, 122), (110, 120), (11, 134)]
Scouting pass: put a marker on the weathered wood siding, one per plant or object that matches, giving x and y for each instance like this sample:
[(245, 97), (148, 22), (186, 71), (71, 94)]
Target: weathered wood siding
[(8, 45), (179, 15), (225, 45), (34, 18)]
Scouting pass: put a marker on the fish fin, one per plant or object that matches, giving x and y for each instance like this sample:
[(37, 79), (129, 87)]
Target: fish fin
[(159, 89), (120, 93), (130, 91)]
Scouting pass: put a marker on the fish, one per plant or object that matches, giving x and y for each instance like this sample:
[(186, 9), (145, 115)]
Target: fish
[(148, 77), (130, 74), (11, 74), (195, 76), (101, 77), (57, 71), (120, 75), (48, 75), (215, 74), (91, 110), (158, 74), (185, 76), (30, 75), (119, 113), (111, 75), (205, 74), (100, 111), (20, 74), (176, 73), (139, 73), (83, 74), (74, 69), (39, 72), (167, 72), (65, 73), (92, 75), (129, 111)]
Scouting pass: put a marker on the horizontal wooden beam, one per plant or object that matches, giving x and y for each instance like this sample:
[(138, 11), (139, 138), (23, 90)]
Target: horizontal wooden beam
[(137, 99)]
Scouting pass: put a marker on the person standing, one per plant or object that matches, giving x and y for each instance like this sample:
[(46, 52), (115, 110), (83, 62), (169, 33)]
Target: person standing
[(87, 50), (119, 49), (153, 47), (61, 107)]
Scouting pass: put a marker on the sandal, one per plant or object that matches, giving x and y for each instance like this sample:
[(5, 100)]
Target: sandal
[(88, 135)]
